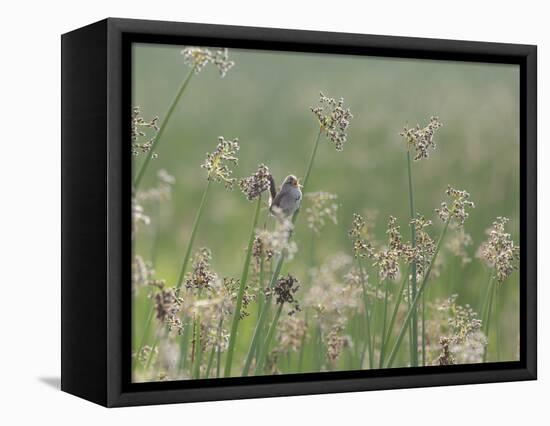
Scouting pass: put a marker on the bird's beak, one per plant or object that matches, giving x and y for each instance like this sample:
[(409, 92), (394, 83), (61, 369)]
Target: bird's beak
[(297, 184)]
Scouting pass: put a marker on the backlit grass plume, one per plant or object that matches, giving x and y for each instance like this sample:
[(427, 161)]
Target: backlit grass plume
[(322, 206), (199, 57), (334, 119), (219, 162), (421, 139)]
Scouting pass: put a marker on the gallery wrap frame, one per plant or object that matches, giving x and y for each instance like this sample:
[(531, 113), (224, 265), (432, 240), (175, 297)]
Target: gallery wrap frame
[(96, 206)]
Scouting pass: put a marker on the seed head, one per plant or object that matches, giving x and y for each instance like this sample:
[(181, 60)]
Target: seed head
[(201, 277), (458, 244), (277, 241), (361, 247), (139, 125), (161, 192), (387, 260), (199, 57), (421, 139), (322, 206), (424, 248), (253, 186), (499, 251), (217, 162), (284, 291), (167, 304), (292, 332), (460, 200), (333, 119)]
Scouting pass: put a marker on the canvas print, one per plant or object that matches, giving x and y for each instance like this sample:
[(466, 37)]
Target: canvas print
[(304, 213)]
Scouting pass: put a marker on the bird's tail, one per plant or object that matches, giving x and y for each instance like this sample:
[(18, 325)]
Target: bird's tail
[(272, 188)]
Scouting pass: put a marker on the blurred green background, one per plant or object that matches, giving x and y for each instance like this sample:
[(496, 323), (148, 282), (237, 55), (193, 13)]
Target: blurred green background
[(264, 101)]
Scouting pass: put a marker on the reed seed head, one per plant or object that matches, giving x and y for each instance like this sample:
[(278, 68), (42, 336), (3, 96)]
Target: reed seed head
[(253, 186), (421, 139), (499, 250), (218, 162), (334, 119), (361, 247), (138, 127), (199, 57), (201, 277), (456, 211), (284, 290), (322, 207), (167, 304)]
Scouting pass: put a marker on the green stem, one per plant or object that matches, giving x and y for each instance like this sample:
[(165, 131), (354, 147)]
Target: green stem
[(367, 346), (183, 268), (302, 345), (497, 320), (198, 349), (488, 316), (398, 300), (240, 294), (414, 337), (162, 127), (184, 345), (258, 330), (146, 329), (215, 348), (265, 348), (382, 336), (311, 160), (424, 330), (414, 302)]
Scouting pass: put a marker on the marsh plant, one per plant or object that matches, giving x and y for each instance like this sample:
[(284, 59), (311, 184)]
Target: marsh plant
[(293, 307)]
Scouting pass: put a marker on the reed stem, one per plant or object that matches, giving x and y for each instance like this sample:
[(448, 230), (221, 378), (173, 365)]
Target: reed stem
[(240, 294), (414, 302), (414, 336)]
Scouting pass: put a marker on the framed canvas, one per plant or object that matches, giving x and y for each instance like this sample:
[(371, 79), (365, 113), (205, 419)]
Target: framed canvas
[(254, 212)]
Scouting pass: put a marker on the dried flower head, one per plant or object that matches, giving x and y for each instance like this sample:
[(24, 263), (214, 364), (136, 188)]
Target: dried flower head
[(322, 206), (161, 192), (199, 57), (460, 200), (446, 357), (424, 247), (138, 217), (458, 244), (453, 333), (333, 119), (139, 125), (167, 304), (421, 139), (216, 163), (277, 241), (142, 272), (253, 186), (230, 292), (292, 333), (387, 260), (361, 247), (284, 290), (499, 251), (336, 342), (201, 277)]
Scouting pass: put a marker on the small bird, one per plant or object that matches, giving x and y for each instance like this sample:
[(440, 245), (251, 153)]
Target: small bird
[(289, 196)]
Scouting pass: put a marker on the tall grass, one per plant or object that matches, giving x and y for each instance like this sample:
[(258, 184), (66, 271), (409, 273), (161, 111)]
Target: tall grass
[(362, 303)]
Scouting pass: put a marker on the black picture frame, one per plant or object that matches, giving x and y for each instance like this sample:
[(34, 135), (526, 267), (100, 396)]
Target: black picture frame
[(96, 193)]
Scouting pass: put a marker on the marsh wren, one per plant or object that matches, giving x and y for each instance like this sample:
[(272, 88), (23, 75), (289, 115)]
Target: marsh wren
[(289, 196)]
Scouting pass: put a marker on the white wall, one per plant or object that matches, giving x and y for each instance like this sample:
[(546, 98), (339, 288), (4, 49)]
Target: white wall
[(30, 200)]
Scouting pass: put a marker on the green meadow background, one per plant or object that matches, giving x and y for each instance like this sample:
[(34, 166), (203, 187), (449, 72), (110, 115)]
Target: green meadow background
[(264, 101)]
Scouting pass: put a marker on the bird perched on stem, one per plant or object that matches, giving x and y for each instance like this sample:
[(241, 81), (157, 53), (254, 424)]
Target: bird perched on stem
[(287, 199)]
